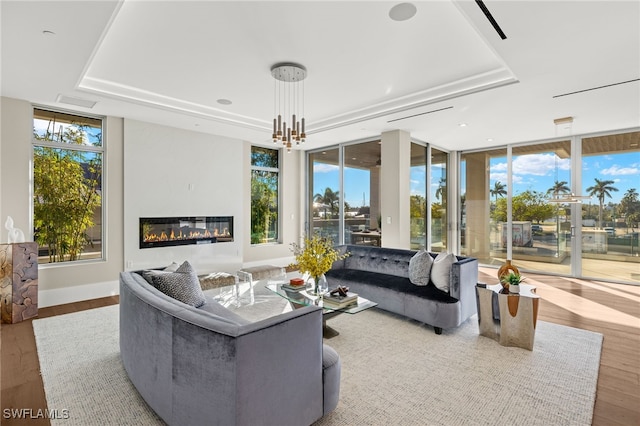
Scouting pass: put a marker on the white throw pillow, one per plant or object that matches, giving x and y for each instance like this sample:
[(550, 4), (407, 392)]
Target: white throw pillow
[(420, 268), (441, 270)]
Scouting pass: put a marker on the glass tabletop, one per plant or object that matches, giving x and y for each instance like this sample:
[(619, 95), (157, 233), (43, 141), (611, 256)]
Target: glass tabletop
[(306, 297)]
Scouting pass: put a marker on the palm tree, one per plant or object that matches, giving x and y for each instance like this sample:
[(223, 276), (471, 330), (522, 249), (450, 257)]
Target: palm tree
[(499, 190), (559, 188), (630, 207), (601, 189), (329, 198)]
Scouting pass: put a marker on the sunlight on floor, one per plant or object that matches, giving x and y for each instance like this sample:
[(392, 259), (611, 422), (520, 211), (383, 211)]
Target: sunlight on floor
[(581, 306)]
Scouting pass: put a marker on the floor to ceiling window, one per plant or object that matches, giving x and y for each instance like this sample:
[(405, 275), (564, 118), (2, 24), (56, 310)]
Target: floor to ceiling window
[(483, 187), (438, 200), (418, 197), (555, 226), (324, 193), (345, 199), (541, 227), (362, 193), (611, 176)]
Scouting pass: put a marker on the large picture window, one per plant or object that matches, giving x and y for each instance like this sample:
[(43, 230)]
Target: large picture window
[(68, 152), (574, 206), (265, 184)]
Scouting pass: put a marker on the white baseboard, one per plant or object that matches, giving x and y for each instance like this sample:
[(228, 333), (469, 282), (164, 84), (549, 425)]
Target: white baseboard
[(60, 296)]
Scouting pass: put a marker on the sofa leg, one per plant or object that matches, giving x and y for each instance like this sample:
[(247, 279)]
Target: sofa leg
[(438, 330)]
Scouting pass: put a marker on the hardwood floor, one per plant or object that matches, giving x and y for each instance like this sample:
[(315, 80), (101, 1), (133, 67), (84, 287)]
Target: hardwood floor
[(20, 381), (610, 309)]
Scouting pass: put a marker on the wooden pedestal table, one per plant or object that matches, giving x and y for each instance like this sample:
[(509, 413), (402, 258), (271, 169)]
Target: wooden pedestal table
[(518, 314), (18, 281)]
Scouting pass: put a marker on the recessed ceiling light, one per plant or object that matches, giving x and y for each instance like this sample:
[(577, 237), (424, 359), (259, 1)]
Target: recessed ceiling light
[(224, 101), (402, 11), (489, 139), (462, 124), (48, 33), (353, 158)]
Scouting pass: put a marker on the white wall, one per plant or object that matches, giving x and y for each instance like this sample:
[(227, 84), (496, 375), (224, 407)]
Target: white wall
[(148, 170), (60, 283), (17, 127), (162, 164), (171, 172)]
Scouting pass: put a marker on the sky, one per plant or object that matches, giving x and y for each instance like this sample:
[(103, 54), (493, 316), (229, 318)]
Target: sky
[(536, 172), (40, 126)]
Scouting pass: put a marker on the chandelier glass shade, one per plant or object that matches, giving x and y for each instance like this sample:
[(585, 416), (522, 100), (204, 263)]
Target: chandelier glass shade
[(288, 104), (564, 124), (567, 198)]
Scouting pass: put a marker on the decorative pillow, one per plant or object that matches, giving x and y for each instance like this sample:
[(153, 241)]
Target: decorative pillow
[(420, 268), (172, 268), (149, 273), (441, 270), (182, 285)]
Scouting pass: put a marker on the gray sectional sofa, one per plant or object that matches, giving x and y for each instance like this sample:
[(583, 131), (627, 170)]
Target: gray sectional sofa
[(208, 366), (382, 275)]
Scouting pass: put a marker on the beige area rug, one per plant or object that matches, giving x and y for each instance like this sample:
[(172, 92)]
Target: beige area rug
[(394, 372)]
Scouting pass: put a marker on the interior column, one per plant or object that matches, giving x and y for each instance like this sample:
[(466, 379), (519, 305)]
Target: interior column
[(395, 189), (477, 205)]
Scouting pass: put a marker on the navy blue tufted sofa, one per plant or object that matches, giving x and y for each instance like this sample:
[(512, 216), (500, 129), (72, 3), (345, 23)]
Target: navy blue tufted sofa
[(382, 275)]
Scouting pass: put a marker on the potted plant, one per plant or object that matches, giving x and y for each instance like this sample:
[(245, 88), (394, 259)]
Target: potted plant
[(316, 257), (511, 282)]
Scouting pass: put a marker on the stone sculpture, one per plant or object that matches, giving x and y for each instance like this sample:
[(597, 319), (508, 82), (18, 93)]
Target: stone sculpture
[(15, 234)]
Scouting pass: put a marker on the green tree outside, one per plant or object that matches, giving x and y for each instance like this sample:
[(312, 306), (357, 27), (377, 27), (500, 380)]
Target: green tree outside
[(499, 190), (66, 193), (531, 206), (330, 199), (264, 206), (601, 189), (630, 208), (418, 215), (264, 194)]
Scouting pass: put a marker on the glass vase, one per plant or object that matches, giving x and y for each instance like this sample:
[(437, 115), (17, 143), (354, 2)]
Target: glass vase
[(320, 285)]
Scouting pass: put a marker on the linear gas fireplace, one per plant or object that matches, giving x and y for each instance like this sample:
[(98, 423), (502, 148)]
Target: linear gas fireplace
[(179, 231)]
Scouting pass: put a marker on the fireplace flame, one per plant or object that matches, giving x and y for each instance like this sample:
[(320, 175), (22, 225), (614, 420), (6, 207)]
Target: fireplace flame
[(154, 237)]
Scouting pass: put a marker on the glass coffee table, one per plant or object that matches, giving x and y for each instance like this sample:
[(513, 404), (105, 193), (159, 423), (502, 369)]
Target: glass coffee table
[(305, 297)]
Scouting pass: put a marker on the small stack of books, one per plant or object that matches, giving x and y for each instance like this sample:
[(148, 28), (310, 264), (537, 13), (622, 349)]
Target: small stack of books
[(295, 284), (338, 301)]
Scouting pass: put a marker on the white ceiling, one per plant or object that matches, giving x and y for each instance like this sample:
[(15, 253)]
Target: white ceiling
[(168, 62)]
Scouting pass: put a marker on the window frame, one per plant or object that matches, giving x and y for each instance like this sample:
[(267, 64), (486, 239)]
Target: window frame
[(102, 150), (278, 171)]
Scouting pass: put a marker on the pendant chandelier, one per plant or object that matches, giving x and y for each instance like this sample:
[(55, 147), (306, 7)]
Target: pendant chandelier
[(567, 198), (288, 104)]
